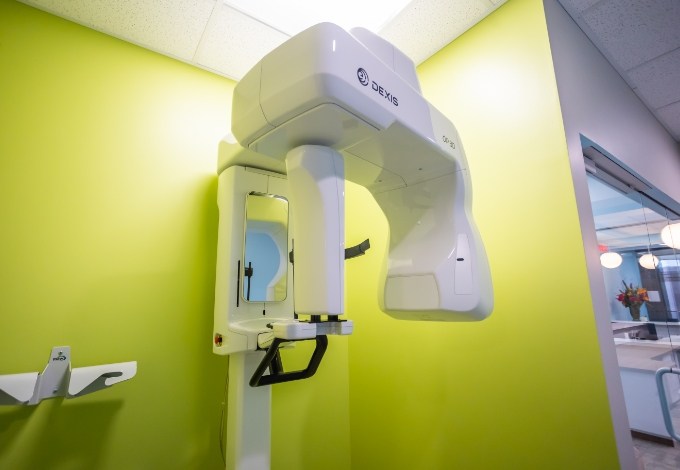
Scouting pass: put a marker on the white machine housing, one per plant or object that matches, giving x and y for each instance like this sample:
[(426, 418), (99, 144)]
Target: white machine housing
[(334, 105), (241, 325), (325, 107)]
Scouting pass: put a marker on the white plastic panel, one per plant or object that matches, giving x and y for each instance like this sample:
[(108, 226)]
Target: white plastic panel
[(321, 65), (462, 278), (411, 293), (437, 267), (390, 55), (91, 379), (326, 124), (17, 389), (248, 121), (248, 417), (238, 323), (317, 194)]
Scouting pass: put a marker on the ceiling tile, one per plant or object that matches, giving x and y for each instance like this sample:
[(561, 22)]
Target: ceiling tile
[(234, 42), (579, 6), (292, 16), (658, 81), (635, 31), (671, 116), (173, 27), (425, 26)]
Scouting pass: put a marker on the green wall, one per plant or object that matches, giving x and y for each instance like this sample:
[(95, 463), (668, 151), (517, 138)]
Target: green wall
[(523, 389), (108, 155)]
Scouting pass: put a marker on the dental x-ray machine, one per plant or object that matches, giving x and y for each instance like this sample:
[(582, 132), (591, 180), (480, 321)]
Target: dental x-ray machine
[(324, 107)]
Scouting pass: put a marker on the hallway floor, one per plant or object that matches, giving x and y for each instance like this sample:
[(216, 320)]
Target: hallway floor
[(658, 456)]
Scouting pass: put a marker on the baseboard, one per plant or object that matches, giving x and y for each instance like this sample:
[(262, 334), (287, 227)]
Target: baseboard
[(667, 441)]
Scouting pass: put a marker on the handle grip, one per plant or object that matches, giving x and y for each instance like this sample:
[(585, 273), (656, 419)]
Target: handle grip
[(272, 361), (665, 409)]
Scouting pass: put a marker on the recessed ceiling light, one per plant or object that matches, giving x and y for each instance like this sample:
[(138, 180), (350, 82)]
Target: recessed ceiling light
[(293, 16)]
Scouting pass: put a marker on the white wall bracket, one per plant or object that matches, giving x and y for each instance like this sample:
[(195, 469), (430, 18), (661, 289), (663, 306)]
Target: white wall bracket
[(59, 380)]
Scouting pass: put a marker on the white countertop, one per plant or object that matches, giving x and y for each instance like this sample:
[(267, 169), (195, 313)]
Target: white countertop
[(646, 355)]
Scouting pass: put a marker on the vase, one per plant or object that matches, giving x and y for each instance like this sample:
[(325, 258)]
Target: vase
[(635, 312)]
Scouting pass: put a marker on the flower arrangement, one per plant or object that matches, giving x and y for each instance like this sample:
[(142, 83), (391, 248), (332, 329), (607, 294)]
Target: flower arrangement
[(632, 295)]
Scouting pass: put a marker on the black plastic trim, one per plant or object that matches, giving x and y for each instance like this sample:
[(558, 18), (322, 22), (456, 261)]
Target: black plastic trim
[(351, 252), (357, 250), (272, 362)]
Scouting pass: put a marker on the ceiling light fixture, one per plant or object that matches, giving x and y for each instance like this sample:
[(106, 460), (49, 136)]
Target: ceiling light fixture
[(611, 260), (648, 261), (293, 16), (670, 235)]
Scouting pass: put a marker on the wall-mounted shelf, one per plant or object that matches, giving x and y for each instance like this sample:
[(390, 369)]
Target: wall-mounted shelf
[(59, 380)]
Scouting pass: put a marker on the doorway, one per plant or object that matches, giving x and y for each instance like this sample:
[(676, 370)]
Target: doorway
[(635, 228)]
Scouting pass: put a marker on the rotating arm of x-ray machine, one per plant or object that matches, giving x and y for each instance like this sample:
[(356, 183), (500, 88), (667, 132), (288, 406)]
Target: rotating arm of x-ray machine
[(336, 105)]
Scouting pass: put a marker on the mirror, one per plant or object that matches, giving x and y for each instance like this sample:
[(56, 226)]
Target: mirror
[(264, 275)]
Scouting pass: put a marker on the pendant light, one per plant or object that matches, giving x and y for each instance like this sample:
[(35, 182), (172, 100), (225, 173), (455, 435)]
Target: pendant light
[(648, 261), (670, 235), (611, 260)]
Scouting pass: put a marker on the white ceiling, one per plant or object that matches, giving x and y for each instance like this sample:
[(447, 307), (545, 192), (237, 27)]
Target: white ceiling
[(641, 39), (214, 35)]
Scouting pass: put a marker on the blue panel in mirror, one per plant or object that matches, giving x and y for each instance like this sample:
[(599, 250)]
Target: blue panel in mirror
[(265, 268)]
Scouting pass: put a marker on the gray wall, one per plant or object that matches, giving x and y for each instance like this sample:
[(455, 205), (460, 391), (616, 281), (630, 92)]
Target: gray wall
[(597, 103)]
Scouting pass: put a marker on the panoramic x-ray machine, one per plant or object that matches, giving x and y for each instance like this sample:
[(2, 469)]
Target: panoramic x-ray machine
[(324, 107)]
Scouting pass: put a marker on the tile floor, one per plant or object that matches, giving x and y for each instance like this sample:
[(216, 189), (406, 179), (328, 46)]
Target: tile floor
[(658, 456)]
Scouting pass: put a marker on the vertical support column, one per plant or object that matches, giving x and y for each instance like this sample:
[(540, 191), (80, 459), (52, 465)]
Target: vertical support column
[(249, 416), (55, 378), (316, 179)]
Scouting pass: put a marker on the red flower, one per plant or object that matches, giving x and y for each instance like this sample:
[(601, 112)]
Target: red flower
[(632, 295)]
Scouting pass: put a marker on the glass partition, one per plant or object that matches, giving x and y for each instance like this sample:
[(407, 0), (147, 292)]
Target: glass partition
[(642, 286)]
